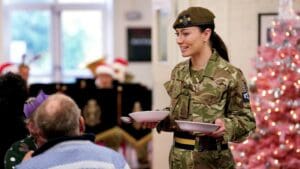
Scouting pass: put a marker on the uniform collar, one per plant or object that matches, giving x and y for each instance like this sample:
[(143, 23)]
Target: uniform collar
[(211, 65), (209, 68)]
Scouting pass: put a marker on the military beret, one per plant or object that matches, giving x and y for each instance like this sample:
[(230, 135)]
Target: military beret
[(194, 16)]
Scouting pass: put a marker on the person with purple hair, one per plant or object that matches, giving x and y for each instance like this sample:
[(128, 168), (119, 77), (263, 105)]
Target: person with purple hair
[(19, 149)]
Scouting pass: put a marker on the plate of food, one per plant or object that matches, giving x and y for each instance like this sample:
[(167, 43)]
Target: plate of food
[(149, 116), (196, 126)]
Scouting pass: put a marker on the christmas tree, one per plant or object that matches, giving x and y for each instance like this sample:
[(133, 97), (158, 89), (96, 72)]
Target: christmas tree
[(275, 96)]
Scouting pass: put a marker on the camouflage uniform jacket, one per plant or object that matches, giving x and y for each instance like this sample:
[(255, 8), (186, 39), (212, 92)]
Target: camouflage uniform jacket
[(17, 151), (219, 92)]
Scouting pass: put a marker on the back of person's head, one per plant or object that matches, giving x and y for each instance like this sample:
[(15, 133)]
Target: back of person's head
[(13, 93), (58, 116), (204, 19)]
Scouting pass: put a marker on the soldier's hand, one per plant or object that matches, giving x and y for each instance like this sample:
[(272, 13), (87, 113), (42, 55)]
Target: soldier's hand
[(221, 130)]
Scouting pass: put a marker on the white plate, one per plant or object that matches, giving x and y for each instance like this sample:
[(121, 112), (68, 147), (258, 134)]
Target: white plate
[(149, 116), (196, 126), (126, 119)]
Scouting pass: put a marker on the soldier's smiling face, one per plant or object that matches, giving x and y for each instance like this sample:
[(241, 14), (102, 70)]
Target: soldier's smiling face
[(191, 40)]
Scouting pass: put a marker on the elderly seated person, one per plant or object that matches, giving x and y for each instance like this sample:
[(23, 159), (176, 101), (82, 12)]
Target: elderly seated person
[(60, 122)]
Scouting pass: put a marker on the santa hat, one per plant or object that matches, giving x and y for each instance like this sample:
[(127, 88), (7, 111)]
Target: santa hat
[(8, 67), (105, 69), (120, 64)]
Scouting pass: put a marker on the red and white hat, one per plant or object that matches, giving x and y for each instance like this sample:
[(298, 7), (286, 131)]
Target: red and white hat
[(105, 69), (120, 64), (8, 67)]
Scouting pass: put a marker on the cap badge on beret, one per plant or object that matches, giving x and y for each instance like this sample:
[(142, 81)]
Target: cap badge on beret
[(185, 20), (194, 16)]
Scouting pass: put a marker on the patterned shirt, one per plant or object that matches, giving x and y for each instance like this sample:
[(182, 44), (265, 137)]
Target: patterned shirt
[(17, 151)]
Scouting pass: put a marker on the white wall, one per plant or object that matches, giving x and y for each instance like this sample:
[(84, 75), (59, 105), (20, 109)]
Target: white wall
[(237, 24), (142, 71), (162, 69)]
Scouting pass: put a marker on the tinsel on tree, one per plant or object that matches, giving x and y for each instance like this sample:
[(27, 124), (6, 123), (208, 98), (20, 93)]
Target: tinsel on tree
[(275, 99)]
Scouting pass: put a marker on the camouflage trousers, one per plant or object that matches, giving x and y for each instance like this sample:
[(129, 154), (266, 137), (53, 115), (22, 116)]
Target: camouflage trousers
[(187, 159)]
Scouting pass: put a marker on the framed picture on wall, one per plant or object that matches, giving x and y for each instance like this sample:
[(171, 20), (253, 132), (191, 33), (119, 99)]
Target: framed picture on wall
[(139, 44), (264, 27)]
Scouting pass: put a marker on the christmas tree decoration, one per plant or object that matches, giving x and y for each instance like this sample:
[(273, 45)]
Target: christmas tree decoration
[(275, 99)]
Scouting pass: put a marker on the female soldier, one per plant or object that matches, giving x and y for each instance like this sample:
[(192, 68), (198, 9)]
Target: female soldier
[(205, 88)]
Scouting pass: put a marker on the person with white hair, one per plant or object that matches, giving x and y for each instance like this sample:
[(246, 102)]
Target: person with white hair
[(60, 122)]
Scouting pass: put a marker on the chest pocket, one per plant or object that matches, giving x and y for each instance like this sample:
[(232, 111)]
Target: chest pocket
[(180, 98), (173, 88), (210, 91)]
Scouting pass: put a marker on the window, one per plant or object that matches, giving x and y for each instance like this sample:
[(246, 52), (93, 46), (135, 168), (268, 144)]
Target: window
[(58, 33), (25, 1), (81, 1), (32, 39), (79, 35)]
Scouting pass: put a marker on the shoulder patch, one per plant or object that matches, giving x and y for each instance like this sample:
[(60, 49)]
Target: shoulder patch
[(245, 93)]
